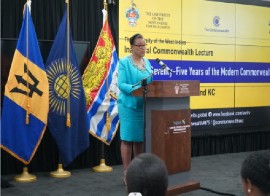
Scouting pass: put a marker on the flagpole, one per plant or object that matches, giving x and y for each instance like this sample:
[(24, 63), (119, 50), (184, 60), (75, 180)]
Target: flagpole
[(68, 123), (102, 167), (60, 172), (25, 176), (27, 61)]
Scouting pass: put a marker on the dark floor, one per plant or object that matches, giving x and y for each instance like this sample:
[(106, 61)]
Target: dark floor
[(218, 174)]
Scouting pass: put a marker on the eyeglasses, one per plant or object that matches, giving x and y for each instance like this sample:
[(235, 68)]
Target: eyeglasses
[(140, 46)]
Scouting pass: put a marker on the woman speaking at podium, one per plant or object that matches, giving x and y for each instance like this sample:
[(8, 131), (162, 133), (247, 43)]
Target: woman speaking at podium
[(134, 70)]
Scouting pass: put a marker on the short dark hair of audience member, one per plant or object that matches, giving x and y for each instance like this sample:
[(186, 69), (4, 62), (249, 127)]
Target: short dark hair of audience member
[(255, 173), (148, 175)]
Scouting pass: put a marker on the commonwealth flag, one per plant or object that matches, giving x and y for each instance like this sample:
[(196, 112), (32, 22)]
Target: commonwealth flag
[(67, 121), (26, 99), (100, 84)]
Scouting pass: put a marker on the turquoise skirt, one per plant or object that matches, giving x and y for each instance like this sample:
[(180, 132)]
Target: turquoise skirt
[(131, 123)]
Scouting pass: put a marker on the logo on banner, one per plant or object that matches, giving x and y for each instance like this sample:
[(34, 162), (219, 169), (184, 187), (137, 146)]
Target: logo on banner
[(132, 15), (216, 21), (217, 26)]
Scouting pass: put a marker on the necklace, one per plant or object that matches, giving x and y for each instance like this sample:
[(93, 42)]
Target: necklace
[(141, 66), (138, 65)]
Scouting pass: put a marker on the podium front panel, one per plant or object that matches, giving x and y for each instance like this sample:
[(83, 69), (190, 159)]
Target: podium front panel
[(163, 105), (171, 138)]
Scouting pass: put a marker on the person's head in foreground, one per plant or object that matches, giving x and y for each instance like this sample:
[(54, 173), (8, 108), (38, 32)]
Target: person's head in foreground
[(147, 174), (255, 173)]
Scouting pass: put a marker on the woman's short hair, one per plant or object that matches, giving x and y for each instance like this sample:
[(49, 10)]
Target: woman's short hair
[(134, 37), (256, 168)]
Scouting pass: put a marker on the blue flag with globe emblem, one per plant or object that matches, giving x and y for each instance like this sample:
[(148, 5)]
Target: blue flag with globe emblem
[(67, 119)]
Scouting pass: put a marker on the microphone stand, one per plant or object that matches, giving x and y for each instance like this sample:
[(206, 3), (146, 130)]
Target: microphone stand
[(143, 83)]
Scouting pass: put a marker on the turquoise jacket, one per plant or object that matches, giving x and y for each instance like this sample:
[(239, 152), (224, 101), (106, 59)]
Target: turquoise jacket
[(128, 76)]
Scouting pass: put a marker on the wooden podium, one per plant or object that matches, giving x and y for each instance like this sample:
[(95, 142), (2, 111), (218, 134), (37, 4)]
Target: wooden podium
[(168, 129)]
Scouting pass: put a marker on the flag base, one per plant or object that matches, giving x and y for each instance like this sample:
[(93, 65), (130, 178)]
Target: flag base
[(60, 173), (102, 167), (25, 176)]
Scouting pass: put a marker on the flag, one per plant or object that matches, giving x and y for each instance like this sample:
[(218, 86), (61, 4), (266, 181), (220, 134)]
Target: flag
[(26, 99), (67, 120), (100, 85)]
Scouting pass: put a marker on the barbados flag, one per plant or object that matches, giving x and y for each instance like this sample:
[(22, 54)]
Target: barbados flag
[(100, 84), (26, 99), (68, 121)]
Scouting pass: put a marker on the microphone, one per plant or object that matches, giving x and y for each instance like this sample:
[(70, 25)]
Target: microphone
[(163, 65)]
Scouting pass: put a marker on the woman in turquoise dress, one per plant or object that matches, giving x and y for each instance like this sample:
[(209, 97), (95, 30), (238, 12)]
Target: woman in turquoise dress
[(132, 69)]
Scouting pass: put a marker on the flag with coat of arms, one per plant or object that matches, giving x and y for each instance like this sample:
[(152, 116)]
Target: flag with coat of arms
[(100, 84)]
